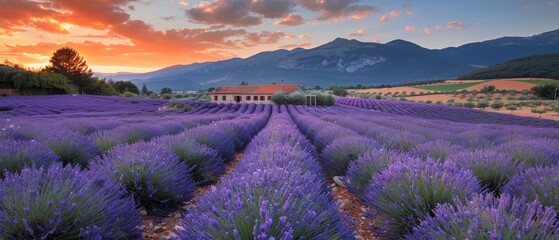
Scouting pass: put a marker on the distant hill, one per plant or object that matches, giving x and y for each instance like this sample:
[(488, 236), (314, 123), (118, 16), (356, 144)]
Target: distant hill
[(537, 66), (348, 62)]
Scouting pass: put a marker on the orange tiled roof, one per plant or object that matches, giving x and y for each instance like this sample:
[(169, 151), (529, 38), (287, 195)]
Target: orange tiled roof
[(256, 89)]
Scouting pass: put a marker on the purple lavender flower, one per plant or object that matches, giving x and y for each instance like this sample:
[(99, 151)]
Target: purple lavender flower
[(72, 147), (534, 152), (205, 163), (151, 173), (492, 169), (409, 191), (371, 163), (65, 203), (341, 152), (489, 217), (15, 155), (438, 149), (539, 183)]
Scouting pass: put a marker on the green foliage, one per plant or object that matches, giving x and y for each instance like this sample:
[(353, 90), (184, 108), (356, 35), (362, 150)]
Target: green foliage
[(469, 104), (482, 104), (325, 100), (537, 66), (545, 91), (166, 90), (511, 107), (126, 86), (68, 62), (279, 98), (51, 83), (180, 106), (448, 87), (145, 90), (488, 89), (297, 99), (128, 94), (339, 91), (497, 105)]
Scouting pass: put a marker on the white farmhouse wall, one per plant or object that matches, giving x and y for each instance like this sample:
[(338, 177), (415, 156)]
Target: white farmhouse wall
[(230, 98)]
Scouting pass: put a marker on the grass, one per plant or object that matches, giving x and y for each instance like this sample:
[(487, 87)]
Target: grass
[(540, 82), (447, 87)]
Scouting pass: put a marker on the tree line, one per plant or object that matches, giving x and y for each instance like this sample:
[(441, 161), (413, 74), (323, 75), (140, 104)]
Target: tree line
[(67, 73)]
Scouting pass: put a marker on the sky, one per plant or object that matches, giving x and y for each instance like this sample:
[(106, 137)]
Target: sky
[(146, 35)]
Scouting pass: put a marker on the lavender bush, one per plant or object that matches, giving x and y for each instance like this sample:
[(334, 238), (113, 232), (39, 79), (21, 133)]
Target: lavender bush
[(492, 169), (489, 217), (215, 138), (151, 173), (15, 155), (341, 152), (536, 183), (267, 204), (535, 152), (438, 149), (72, 147), (361, 171), (205, 163), (65, 203), (408, 191)]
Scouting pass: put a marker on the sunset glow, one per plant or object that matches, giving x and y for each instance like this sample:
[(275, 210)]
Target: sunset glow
[(145, 35)]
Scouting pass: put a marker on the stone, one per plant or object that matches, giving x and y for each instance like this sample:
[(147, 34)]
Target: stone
[(157, 229), (143, 212), (345, 205), (358, 237), (213, 188), (178, 215), (338, 180)]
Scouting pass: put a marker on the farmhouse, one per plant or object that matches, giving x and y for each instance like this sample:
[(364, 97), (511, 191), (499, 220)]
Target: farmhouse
[(252, 93)]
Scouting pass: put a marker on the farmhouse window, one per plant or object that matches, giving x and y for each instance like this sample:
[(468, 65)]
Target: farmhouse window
[(269, 98), (248, 98), (223, 97), (215, 98), (255, 98)]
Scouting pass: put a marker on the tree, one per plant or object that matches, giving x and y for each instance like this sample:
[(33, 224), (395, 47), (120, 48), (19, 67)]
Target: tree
[(279, 98), (68, 62), (539, 111), (545, 91), (317, 87), (339, 91), (125, 86), (297, 99), (166, 90), (511, 107), (145, 90), (243, 83), (497, 105), (482, 104)]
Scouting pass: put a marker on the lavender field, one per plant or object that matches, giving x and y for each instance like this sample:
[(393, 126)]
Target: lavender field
[(91, 167)]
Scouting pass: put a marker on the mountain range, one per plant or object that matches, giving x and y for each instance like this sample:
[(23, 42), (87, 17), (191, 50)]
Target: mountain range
[(347, 62)]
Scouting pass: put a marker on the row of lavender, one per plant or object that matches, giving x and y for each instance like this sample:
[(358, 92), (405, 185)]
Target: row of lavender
[(277, 191), (431, 111), (440, 179), (61, 178)]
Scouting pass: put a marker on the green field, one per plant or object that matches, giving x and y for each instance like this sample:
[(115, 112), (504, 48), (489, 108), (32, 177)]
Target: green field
[(447, 87), (540, 82)]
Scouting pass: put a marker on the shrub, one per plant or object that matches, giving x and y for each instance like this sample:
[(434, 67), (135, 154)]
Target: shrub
[(341, 152), (325, 136), (267, 204), (534, 152), (399, 140), (65, 203), (536, 183), (297, 99), (489, 217), (409, 191), (325, 100), (482, 104), (72, 147), (438, 149), (128, 94), (487, 89), (497, 105), (15, 155), (492, 169), (151, 173), (544, 91), (204, 162), (214, 138), (108, 139), (139, 131), (360, 171), (279, 98)]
